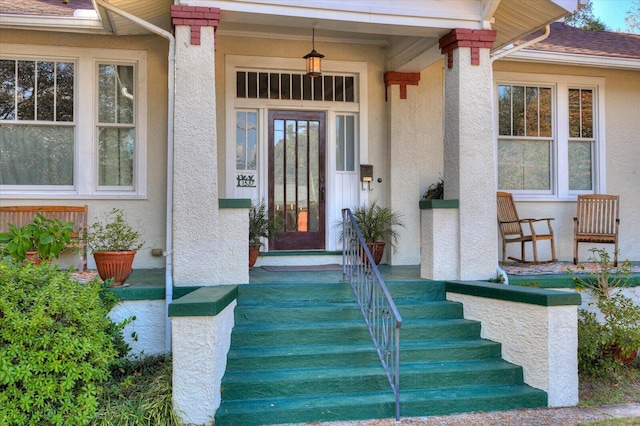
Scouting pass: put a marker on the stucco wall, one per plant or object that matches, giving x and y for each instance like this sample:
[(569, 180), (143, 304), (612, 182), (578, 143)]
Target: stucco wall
[(199, 347), (149, 325), (422, 114), (149, 213), (543, 340), (622, 121)]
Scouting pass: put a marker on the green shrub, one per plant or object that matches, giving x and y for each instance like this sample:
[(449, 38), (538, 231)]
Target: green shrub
[(604, 344), (56, 345)]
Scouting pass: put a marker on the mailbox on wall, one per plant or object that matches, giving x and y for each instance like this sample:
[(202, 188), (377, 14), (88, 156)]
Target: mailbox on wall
[(366, 175)]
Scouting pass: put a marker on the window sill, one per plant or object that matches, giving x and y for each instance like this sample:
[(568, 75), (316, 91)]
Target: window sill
[(11, 195)]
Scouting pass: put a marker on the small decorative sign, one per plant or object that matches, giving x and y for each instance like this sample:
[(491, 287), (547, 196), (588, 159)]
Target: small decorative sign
[(246, 181)]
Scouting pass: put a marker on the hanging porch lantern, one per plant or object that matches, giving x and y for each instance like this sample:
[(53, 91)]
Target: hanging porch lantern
[(314, 59)]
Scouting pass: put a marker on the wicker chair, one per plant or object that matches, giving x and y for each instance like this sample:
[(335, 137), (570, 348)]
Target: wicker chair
[(511, 230), (597, 221)]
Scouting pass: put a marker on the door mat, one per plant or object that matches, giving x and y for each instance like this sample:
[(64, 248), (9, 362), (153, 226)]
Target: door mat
[(303, 268)]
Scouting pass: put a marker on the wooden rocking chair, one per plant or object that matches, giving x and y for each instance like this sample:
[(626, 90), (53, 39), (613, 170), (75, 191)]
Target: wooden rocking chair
[(511, 230), (597, 221)]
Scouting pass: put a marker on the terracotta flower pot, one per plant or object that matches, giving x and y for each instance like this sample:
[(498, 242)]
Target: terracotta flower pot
[(114, 264), (627, 359), (253, 255), (376, 249), (32, 256)]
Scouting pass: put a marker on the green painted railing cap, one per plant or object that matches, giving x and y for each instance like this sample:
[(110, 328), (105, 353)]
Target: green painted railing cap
[(204, 302), (438, 204), (514, 293), (234, 203)]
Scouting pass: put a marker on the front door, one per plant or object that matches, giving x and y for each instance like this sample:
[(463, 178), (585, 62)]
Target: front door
[(297, 179)]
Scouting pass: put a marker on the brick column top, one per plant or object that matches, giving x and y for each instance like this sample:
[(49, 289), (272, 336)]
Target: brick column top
[(462, 37), (196, 17)]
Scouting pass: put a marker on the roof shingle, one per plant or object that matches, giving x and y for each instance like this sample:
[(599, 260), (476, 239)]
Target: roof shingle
[(570, 40), (43, 7)]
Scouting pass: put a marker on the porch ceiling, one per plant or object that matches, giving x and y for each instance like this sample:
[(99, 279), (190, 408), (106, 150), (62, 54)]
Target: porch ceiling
[(411, 29)]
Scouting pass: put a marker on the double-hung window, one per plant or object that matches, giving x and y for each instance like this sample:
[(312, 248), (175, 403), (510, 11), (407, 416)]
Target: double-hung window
[(72, 124), (525, 137), (550, 136), (116, 126), (37, 119)]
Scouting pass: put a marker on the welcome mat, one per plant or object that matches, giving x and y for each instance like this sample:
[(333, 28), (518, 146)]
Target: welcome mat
[(554, 268), (303, 268)]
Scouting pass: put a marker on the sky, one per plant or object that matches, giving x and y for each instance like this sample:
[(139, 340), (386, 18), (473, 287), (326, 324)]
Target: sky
[(612, 12)]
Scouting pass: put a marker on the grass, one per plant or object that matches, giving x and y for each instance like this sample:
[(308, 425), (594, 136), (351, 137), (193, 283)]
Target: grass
[(618, 388), (138, 394), (616, 422)]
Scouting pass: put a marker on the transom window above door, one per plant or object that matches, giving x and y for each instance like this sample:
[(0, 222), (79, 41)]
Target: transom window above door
[(274, 85)]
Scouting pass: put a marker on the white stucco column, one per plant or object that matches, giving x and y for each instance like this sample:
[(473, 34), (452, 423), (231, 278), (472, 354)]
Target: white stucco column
[(406, 159), (469, 163), (196, 219)]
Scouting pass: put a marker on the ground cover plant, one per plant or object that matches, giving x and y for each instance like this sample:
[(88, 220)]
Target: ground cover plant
[(64, 362), (57, 345), (138, 394)]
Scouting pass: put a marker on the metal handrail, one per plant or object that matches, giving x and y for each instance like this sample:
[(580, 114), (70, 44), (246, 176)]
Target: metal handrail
[(376, 304)]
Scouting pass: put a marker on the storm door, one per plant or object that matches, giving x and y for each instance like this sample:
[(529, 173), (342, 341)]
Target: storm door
[(297, 179)]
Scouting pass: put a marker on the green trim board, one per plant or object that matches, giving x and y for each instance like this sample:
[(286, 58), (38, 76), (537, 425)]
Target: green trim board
[(204, 302), (139, 292), (234, 203), (511, 293), (149, 292), (438, 204), (301, 253)]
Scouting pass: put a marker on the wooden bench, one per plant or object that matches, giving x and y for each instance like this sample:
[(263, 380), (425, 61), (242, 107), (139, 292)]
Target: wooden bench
[(22, 215)]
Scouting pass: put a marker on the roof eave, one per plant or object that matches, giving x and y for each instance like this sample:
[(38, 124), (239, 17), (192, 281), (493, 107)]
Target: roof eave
[(574, 59), (66, 24)]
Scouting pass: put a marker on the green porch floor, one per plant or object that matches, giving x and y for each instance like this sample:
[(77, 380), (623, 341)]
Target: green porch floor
[(148, 284)]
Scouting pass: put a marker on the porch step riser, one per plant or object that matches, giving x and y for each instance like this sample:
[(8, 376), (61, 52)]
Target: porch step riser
[(293, 383), (348, 334), (301, 353), (334, 293), (366, 356), (378, 405), (289, 314)]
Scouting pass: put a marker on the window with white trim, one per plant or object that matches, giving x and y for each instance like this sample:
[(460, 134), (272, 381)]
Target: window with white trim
[(57, 113), (581, 139), (246, 140), (116, 125), (548, 138), (345, 143), (37, 122)]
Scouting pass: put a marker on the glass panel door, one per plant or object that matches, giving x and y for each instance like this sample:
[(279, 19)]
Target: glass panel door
[(296, 179)]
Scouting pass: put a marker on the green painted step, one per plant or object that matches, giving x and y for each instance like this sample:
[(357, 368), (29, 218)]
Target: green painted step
[(346, 332), (378, 405), (354, 355), (301, 353), (346, 380), (334, 292), (304, 312)]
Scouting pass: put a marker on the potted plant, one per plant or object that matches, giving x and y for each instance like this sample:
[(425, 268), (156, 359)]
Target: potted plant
[(377, 227), (114, 244), (435, 191), (42, 239), (260, 226)]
